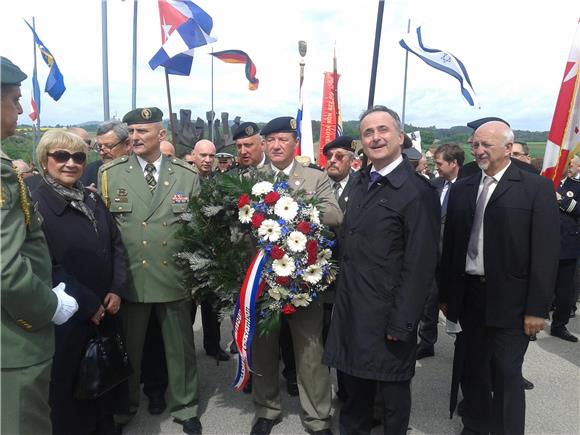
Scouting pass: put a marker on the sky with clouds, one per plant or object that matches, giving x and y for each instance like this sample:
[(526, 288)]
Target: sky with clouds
[(514, 51)]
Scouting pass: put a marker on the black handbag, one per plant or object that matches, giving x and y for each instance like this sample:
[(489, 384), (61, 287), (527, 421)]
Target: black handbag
[(105, 365)]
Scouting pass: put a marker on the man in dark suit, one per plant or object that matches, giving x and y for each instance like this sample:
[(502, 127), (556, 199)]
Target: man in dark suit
[(568, 195), (448, 161), (388, 249), (498, 268)]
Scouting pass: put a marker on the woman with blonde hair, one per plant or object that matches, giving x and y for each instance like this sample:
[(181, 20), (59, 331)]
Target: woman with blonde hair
[(89, 256)]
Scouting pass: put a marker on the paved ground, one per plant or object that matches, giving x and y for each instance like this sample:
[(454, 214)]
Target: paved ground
[(553, 406)]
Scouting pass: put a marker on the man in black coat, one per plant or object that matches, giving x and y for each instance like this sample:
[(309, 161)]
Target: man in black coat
[(568, 195), (448, 161), (388, 256), (498, 268)]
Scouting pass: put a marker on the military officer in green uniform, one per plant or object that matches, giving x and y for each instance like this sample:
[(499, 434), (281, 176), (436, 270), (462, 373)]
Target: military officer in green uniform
[(29, 305), (147, 192), (306, 323)]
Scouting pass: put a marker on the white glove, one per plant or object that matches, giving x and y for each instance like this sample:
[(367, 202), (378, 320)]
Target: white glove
[(67, 305)]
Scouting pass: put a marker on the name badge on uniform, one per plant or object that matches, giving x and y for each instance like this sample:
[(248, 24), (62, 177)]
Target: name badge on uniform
[(179, 198)]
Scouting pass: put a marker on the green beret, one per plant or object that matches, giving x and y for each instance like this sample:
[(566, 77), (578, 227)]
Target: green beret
[(246, 129), (10, 73), (344, 142), (283, 124), (145, 115)]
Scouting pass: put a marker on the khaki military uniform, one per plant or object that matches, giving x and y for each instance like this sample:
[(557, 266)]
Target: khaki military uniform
[(149, 224), (305, 326), (28, 305)]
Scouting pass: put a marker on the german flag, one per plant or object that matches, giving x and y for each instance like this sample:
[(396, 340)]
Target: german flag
[(239, 56)]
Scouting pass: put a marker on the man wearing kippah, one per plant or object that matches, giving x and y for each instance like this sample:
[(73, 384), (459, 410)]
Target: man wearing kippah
[(306, 323), (147, 193), (29, 307)]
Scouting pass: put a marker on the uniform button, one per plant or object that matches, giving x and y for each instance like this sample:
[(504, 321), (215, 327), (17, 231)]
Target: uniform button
[(164, 224), (164, 243), (120, 207), (144, 262), (164, 263), (144, 224), (145, 242)]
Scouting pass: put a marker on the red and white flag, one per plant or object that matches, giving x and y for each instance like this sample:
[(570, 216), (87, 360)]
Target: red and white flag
[(564, 137)]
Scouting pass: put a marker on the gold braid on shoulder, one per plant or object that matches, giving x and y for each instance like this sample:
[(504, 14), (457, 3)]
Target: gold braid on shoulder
[(24, 203)]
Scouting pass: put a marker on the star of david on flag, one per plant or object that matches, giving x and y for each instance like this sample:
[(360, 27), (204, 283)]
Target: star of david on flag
[(184, 27), (443, 61)]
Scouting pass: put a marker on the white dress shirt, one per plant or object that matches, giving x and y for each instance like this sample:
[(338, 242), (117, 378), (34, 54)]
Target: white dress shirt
[(156, 163), (475, 266)]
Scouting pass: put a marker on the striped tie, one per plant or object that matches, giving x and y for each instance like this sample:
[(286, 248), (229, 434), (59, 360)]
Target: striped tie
[(149, 178)]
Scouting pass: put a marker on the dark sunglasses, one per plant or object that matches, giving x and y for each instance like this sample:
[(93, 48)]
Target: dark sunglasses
[(64, 156)]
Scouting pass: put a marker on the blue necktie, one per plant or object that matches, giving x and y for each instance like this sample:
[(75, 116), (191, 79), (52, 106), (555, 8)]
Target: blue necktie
[(375, 177)]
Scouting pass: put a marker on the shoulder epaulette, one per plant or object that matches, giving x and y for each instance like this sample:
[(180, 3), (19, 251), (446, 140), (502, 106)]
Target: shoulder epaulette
[(178, 162), (115, 162)]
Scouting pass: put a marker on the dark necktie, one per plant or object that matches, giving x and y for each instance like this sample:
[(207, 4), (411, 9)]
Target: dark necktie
[(149, 177), (472, 249), (446, 188), (336, 187), (375, 177)]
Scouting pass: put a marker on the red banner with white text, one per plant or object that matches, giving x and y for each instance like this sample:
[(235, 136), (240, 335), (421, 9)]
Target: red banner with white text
[(328, 119)]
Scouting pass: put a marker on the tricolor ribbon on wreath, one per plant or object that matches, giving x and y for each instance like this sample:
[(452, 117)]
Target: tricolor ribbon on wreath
[(245, 319)]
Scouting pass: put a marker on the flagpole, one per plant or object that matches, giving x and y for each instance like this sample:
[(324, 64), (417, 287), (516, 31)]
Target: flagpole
[(376, 52), (405, 79), (105, 61), (35, 131), (172, 124), (134, 75), (212, 112), (336, 108)]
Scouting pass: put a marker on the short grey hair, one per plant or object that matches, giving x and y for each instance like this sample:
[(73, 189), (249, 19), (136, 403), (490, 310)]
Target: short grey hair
[(119, 128), (379, 108)]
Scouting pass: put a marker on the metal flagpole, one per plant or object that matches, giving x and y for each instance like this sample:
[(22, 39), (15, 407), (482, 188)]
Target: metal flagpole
[(35, 130), (405, 81), (134, 82), (172, 124), (211, 126), (376, 52), (105, 61)]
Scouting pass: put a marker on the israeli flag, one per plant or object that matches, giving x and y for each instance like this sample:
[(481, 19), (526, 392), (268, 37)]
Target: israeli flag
[(443, 61)]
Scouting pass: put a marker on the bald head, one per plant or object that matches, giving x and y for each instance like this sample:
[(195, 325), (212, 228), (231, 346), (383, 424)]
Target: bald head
[(167, 148), (82, 133), (204, 156), (492, 145)]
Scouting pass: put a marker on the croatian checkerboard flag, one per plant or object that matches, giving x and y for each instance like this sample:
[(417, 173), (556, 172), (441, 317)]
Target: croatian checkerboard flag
[(184, 26), (441, 60), (564, 136)]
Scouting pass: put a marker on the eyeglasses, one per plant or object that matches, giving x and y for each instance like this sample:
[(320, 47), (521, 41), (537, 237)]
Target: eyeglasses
[(339, 156), (64, 156), (99, 147)]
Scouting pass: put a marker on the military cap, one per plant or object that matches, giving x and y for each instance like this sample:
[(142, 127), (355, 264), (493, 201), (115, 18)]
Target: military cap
[(10, 73), (224, 157), (479, 122), (344, 142), (246, 129), (145, 115), (412, 153), (283, 124)]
